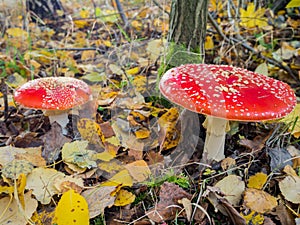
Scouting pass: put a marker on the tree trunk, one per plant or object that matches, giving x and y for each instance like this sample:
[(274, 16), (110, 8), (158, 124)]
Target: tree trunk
[(44, 9), (187, 31)]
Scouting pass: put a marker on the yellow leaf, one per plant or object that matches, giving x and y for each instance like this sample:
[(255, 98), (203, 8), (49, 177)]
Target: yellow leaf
[(72, 208), (104, 156), (17, 32), (87, 55), (209, 43), (252, 17), (122, 178), (90, 131), (293, 4), (133, 71), (124, 197), (139, 170), (84, 13), (140, 82), (168, 133), (257, 181), (111, 166), (254, 218), (294, 125), (142, 133)]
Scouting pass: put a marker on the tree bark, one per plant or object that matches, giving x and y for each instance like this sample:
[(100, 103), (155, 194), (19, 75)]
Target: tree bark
[(187, 29), (44, 9)]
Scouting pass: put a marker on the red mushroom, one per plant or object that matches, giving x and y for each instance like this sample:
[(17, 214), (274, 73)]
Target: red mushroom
[(54, 95), (226, 93)]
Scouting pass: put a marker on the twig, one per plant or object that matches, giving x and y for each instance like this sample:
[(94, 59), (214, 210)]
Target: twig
[(4, 92), (232, 40), (121, 12), (160, 7)]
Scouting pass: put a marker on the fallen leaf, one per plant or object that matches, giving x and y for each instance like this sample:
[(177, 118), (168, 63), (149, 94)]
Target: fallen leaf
[(122, 178), (259, 200), (77, 153), (254, 218), (53, 142), (252, 17), (169, 135), (233, 187), (72, 208), (90, 131), (214, 195), (290, 188), (139, 170), (10, 210), (168, 206), (124, 197), (98, 199), (257, 181), (41, 182), (293, 121), (280, 157), (14, 168)]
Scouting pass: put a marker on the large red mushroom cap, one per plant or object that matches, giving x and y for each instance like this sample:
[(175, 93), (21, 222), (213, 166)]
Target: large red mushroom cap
[(53, 93), (227, 92)]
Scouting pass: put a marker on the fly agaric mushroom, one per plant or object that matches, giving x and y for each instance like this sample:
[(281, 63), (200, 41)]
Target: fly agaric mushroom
[(54, 95), (226, 93)]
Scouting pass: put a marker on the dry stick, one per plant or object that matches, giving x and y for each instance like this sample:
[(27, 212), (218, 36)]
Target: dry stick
[(245, 45), (159, 6), (4, 92), (121, 12)]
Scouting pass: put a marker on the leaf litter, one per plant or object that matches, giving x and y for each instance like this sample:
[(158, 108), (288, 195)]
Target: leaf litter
[(116, 158)]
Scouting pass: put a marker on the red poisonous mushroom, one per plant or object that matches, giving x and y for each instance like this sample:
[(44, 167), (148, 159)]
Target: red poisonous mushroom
[(226, 93), (54, 95)]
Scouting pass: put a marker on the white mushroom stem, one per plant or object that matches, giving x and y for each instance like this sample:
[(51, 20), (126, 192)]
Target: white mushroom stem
[(215, 138), (59, 116)]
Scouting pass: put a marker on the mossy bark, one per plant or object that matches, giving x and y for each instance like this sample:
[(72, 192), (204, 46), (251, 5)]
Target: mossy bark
[(187, 32)]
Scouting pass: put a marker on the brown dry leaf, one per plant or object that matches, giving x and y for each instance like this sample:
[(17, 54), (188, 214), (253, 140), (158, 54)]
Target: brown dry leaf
[(124, 197), (233, 187), (168, 206), (98, 199), (53, 142), (169, 135), (284, 214), (214, 195), (257, 181), (255, 145), (228, 163), (290, 188), (295, 153), (42, 183), (259, 201), (10, 210), (63, 184), (139, 170), (33, 155)]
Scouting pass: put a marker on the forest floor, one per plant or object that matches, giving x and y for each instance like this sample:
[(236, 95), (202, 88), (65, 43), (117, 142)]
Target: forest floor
[(135, 157)]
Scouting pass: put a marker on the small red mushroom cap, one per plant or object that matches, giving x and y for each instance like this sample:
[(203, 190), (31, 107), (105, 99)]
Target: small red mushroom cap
[(227, 92), (53, 93)]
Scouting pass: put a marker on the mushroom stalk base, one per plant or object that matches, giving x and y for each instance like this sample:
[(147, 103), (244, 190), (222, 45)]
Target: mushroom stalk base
[(215, 138), (60, 117)]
